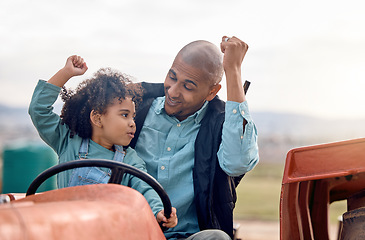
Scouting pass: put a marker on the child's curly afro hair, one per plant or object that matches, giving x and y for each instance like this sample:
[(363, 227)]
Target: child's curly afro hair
[(96, 94)]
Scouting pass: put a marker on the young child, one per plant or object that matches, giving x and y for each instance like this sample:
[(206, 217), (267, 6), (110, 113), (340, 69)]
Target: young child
[(97, 120)]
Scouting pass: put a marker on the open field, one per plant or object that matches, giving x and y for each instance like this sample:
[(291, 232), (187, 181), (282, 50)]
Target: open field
[(257, 208), (259, 193)]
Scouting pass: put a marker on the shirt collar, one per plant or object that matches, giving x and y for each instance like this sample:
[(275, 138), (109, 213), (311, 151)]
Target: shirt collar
[(197, 116)]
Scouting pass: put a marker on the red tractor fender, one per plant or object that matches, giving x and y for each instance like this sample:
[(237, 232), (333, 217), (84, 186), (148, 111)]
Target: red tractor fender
[(101, 211)]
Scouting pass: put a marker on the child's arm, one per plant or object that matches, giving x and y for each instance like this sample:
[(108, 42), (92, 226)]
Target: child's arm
[(170, 222), (75, 66), (47, 122)]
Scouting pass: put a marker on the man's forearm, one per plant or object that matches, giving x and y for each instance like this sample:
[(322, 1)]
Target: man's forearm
[(235, 91)]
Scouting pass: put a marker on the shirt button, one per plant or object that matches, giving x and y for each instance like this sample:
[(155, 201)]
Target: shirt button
[(162, 167), (234, 111), (242, 137), (168, 149), (179, 124), (243, 112)]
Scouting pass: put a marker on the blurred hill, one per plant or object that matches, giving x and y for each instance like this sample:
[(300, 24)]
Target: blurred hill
[(15, 125), (278, 132)]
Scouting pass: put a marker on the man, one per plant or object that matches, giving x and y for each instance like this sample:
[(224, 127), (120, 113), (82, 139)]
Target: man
[(194, 144)]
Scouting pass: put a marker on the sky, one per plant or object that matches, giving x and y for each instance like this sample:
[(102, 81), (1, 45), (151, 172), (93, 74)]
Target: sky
[(304, 57)]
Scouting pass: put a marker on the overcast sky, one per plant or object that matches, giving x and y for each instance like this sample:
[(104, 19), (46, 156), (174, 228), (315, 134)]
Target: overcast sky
[(304, 57)]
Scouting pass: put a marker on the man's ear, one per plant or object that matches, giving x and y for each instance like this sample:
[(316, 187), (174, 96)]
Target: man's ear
[(95, 118), (213, 91)]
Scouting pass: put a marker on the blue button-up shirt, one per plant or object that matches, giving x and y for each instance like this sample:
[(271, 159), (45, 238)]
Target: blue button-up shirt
[(167, 147)]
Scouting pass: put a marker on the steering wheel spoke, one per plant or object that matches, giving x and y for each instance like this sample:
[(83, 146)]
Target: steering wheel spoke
[(116, 176)]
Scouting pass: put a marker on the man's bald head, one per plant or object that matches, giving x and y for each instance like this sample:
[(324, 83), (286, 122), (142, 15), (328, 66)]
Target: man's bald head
[(205, 56)]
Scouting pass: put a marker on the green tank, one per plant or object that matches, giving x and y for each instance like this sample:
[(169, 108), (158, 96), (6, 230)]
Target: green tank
[(21, 165)]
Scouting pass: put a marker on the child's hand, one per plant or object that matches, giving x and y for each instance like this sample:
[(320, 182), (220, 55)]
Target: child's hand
[(169, 223), (75, 66)]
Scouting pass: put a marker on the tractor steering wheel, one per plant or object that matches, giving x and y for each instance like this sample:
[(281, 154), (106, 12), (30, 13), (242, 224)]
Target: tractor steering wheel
[(118, 169)]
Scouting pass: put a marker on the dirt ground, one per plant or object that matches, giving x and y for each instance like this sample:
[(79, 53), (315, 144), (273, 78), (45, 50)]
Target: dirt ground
[(258, 230), (267, 230)]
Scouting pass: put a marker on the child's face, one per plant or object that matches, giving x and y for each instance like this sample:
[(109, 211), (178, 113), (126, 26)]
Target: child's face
[(117, 124)]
